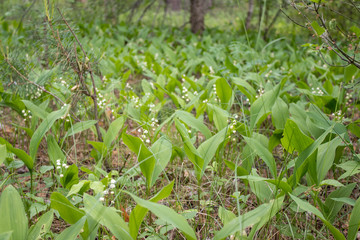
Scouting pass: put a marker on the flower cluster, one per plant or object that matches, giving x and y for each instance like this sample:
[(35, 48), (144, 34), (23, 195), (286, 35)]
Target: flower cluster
[(317, 91), (60, 167), (109, 191), (337, 115), (232, 127), (185, 94), (26, 114)]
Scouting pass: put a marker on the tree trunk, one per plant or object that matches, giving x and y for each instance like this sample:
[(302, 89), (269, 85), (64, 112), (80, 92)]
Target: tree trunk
[(249, 13), (175, 5), (197, 14)]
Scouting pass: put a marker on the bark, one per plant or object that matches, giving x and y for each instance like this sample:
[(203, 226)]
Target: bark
[(175, 5), (197, 15), (249, 13)]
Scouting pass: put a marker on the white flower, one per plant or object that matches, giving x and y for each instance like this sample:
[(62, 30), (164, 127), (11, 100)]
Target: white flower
[(112, 181), (102, 199), (112, 186), (61, 175), (147, 141)]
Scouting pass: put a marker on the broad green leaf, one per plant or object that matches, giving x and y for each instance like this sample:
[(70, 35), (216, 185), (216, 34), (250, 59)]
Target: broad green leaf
[(224, 92), (349, 73), (280, 113), (22, 155), (354, 222), (42, 226), (162, 151), (294, 139), (107, 216), (113, 131), (263, 153), (326, 156), (73, 231), (263, 106), (225, 215), (3, 153), (333, 207), (138, 213), (36, 110), (191, 121), (71, 176), (191, 152), (12, 214), (43, 128), (208, 148), (67, 211), (76, 188), (54, 151), (311, 209), (6, 235), (219, 116), (345, 200), (331, 182), (351, 168), (168, 215), (245, 87), (317, 28), (79, 127), (304, 155), (145, 157), (262, 213)]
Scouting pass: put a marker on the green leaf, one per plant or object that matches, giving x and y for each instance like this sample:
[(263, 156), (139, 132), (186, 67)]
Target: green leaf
[(263, 106), (162, 151), (190, 120), (138, 213), (306, 154), (263, 153), (225, 215), (70, 177), (42, 226), (79, 127), (22, 155), (262, 213), (317, 28), (224, 92), (280, 113), (6, 235), (219, 116), (145, 157), (73, 231), (3, 153), (191, 152), (76, 188), (12, 214), (208, 148), (36, 110), (168, 215), (54, 151), (332, 207), (67, 211), (294, 139), (349, 73), (310, 208), (354, 222), (107, 216), (43, 128), (326, 157), (113, 131)]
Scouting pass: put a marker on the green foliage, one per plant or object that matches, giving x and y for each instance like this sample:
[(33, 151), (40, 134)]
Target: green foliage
[(186, 131)]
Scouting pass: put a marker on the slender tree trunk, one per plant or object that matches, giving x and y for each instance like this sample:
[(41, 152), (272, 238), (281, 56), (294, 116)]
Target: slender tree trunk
[(197, 15), (249, 13), (175, 5)]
